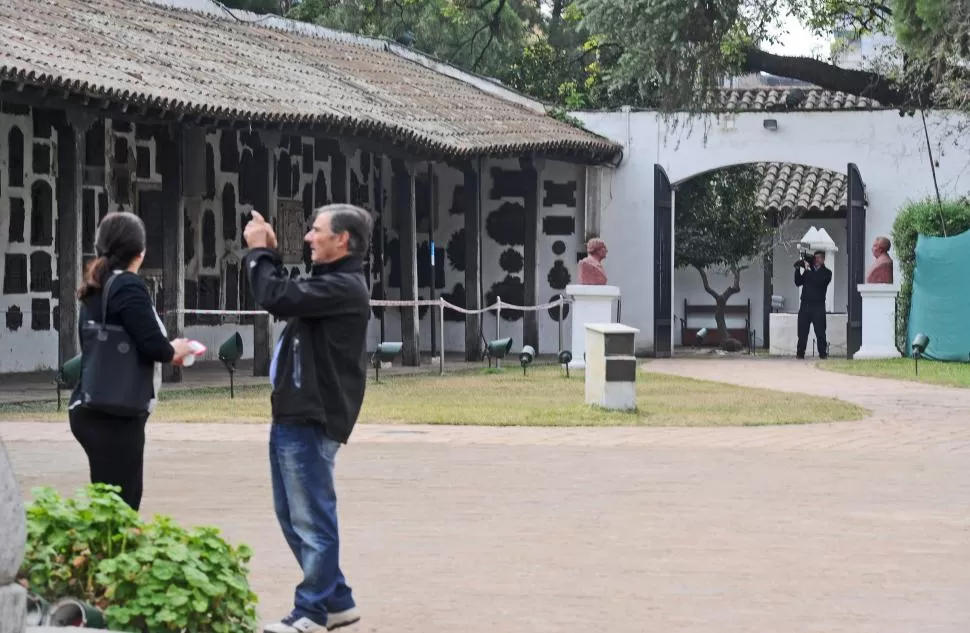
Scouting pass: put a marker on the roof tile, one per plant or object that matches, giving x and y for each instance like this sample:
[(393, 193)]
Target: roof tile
[(789, 188), (143, 53), (812, 99)]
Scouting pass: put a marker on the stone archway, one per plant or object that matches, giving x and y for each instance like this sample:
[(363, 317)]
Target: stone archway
[(663, 260)]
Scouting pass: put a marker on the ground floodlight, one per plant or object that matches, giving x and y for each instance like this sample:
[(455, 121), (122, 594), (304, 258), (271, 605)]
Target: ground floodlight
[(497, 349), (920, 343), (230, 352), (67, 376), (701, 335), (526, 356), (565, 357), (385, 353)]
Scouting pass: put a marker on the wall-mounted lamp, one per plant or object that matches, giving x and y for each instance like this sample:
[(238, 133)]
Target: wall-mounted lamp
[(771, 125)]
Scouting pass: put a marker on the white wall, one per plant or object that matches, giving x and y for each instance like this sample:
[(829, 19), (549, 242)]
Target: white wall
[(890, 152)]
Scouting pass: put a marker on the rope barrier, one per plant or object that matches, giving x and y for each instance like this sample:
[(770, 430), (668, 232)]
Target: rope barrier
[(498, 306)]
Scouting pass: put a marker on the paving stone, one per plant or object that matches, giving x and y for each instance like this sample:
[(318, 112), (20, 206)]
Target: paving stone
[(858, 527)]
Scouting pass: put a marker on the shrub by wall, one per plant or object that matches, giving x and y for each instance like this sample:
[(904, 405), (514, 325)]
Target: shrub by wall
[(923, 217)]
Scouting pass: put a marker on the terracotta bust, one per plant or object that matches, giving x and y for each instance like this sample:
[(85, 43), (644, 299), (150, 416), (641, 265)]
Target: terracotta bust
[(881, 270), (591, 271)]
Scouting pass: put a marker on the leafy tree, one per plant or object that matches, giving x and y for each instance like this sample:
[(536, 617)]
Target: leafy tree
[(719, 226), (538, 47), (689, 47)]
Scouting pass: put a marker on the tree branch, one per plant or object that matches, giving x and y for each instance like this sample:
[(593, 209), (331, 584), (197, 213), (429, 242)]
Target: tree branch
[(832, 77), (707, 285)]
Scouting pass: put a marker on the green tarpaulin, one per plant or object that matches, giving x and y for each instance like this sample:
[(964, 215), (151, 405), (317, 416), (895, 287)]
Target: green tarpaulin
[(941, 297)]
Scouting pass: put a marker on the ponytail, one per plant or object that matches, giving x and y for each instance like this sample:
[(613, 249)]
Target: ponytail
[(120, 239), (98, 269)]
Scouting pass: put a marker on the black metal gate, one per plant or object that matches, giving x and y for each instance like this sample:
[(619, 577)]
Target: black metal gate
[(663, 245), (856, 246)]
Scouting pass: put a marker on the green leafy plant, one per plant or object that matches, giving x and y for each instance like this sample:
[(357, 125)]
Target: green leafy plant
[(148, 577), (924, 217), (66, 538)]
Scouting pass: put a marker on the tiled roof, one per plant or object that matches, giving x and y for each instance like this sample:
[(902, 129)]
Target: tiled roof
[(787, 187), (140, 53), (777, 99)]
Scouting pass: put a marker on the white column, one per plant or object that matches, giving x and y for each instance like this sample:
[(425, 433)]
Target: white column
[(878, 321), (591, 304)]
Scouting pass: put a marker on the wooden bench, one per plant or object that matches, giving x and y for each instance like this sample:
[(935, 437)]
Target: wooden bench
[(688, 331)]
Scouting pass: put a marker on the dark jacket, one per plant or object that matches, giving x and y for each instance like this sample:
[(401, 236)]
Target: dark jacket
[(130, 306), (321, 356), (814, 283)]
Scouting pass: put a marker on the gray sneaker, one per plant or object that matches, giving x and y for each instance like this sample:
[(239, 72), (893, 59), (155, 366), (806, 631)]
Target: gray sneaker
[(342, 618)]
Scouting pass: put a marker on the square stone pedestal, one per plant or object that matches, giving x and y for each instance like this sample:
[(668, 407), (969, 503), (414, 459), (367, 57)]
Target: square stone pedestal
[(591, 304), (878, 321), (611, 367), (783, 334)]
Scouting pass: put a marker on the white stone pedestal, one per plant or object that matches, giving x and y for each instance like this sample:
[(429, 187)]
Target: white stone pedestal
[(783, 334), (878, 321), (611, 367), (591, 304)]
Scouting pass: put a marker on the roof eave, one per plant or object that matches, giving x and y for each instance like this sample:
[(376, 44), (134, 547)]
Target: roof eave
[(115, 103)]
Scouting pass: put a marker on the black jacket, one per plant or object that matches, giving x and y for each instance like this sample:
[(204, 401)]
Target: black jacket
[(321, 356), (814, 283)]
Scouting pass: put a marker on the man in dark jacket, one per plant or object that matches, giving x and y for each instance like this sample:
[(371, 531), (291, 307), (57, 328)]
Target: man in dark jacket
[(318, 372), (814, 280)]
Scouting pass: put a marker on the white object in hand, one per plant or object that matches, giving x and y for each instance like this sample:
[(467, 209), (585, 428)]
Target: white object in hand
[(198, 349)]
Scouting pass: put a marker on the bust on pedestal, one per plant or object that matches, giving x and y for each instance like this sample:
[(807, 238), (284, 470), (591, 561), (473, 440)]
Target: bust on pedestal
[(592, 298), (879, 305)]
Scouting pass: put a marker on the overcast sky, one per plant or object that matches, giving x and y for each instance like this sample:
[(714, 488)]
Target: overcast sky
[(798, 40)]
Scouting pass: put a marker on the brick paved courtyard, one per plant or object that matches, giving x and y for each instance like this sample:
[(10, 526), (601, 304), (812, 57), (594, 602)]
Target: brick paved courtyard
[(848, 527)]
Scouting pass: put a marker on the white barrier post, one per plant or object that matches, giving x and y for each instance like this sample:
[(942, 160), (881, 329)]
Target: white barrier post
[(441, 333), (498, 319)]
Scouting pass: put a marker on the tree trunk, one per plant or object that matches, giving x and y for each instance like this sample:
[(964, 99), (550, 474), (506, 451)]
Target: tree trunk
[(721, 319), (720, 303)]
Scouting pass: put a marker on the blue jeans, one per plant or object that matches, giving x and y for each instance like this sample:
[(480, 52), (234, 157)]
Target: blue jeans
[(301, 459)]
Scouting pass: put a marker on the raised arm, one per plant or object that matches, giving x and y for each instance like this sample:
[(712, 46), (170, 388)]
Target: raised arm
[(281, 296)]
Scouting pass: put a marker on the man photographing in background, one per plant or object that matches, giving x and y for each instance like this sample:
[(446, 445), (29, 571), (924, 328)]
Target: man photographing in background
[(814, 279)]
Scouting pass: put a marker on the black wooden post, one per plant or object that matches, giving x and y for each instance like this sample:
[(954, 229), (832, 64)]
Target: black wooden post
[(171, 157), (472, 204), (264, 201), (530, 318), (402, 199), (856, 227), (663, 245), (768, 264), (70, 179)]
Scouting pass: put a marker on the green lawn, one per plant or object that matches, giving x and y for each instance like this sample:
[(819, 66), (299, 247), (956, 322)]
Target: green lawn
[(930, 371), (543, 398)]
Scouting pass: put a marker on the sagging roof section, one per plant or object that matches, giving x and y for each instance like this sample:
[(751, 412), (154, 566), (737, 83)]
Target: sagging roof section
[(186, 62)]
